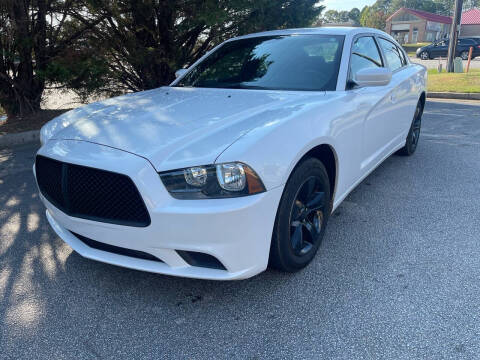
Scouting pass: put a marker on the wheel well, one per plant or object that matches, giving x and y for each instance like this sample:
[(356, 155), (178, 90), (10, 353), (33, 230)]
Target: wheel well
[(422, 101), (326, 155)]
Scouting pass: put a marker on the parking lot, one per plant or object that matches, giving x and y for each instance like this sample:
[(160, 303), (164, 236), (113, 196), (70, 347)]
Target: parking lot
[(398, 276), (433, 64)]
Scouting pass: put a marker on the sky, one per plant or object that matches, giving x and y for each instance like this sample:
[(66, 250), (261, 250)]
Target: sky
[(346, 4)]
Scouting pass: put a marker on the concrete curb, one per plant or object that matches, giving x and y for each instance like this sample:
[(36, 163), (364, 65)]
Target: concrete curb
[(19, 138), (456, 96)]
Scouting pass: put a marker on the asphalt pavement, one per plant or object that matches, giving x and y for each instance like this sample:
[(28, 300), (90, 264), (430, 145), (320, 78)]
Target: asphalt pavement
[(397, 277), (433, 64)]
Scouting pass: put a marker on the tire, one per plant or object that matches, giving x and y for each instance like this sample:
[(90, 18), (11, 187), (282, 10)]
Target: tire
[(464, 55), (425, 55), (302, 217), (414, 132)]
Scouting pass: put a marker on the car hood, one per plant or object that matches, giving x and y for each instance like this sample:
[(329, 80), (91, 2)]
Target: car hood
[(424, 48), (174, 127)]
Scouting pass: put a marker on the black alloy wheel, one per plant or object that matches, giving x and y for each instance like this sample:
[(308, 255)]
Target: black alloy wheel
[(414, 134), (306, 216), (302, 217)]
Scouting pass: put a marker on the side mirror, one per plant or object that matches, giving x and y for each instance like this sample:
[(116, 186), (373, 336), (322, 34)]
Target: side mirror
[(373, 77), (180, 72)]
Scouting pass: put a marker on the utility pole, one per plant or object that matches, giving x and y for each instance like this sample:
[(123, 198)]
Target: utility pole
[(452, 44)]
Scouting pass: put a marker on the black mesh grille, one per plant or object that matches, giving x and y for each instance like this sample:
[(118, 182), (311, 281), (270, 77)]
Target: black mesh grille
[(116, 249), (49, 178), (90, 193)]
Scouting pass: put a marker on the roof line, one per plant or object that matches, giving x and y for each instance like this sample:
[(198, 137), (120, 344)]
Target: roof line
[(424, 15)]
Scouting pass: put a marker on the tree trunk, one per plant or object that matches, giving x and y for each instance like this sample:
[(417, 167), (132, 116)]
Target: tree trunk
[(21, 88), (17, 103)]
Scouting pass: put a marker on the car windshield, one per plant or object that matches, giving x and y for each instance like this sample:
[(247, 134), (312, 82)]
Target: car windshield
[(295, 62)]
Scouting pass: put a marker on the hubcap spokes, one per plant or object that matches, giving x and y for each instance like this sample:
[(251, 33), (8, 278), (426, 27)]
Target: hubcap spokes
[(416, 125), (306, 217)]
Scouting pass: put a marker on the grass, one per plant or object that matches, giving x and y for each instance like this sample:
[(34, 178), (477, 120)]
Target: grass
[(452, 82), (412, 48)]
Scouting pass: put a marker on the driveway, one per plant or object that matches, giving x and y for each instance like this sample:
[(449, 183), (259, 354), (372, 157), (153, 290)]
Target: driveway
[(398, 276)]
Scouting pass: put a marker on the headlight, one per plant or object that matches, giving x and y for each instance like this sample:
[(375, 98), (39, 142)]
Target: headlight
[(212, 181)]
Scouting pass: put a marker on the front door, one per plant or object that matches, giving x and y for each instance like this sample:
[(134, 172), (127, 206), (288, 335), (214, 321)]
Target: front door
[(374, 104), (441, 50)]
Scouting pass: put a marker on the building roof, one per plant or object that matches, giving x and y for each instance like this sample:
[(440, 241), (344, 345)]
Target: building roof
[(424, 15), (471, 17)]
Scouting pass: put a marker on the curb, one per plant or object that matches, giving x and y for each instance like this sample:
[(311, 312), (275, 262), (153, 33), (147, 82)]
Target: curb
[(456, 96), (19, 138)]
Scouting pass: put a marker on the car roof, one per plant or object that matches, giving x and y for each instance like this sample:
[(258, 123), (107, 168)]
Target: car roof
[(316, 30)]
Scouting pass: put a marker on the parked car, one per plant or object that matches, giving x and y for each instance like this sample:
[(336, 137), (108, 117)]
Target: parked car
[(440, 49), (240, 161)]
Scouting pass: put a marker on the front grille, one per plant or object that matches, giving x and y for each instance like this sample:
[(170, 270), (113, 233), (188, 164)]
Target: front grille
[(92, 194), (116, 249)]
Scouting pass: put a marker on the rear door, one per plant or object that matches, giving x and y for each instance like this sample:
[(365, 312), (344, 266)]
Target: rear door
[(465, 45), (401, 89)]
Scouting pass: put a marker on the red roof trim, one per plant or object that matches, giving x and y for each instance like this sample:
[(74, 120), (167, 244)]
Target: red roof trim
[(471, 17), (424, 15)]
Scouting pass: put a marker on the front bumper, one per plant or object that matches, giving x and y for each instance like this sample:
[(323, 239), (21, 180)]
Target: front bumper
[(235, 231)]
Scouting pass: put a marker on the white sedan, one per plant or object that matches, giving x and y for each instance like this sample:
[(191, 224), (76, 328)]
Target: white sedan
[(237, 164)]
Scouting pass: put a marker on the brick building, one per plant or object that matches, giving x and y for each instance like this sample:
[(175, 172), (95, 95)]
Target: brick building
[(412, 26), (470, 23)]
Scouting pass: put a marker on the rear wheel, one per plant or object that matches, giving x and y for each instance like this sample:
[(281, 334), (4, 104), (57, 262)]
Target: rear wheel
[(424, 55), (464, 55), (302, 217), (414, 132)]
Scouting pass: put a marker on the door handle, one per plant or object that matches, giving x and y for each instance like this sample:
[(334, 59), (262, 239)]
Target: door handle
[(393, 98)]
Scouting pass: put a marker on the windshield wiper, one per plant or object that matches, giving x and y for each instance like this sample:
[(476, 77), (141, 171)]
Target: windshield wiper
[(368, 58)]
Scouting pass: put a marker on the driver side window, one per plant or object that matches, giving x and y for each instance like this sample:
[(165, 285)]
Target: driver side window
[(365, 54)]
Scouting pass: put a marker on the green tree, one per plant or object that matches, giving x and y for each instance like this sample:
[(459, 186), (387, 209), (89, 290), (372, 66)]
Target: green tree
[(470, 4), (373, 18), (334, 16), (354, 15), (144, 42), (443, 7), (331, 16), (32, 34), (424, 5)]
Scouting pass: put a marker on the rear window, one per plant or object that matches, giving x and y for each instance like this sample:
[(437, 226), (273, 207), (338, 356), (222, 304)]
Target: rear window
[(466, 42), (295, 62), (393, 54)]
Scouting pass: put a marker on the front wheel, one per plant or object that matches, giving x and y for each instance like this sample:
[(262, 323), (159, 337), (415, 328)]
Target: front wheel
[(414, 132), (464, 55), (302, 217), (424, 55)]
